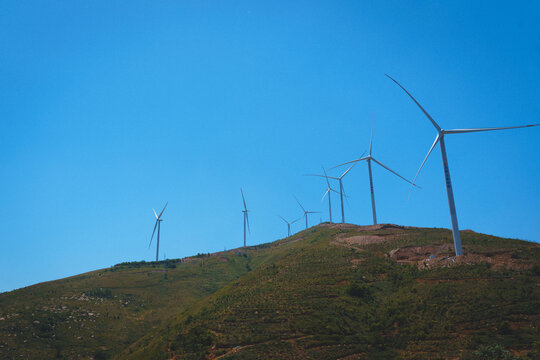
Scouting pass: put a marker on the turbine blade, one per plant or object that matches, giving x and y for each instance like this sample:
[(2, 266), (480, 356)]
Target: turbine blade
[(283, 219), (423, 162), (349, 162), (462, 131), (300, 204), (247, 220), (167, 203), (327, 190), (244, 200), (345, 195), (417, 103), (371, 140), (326, 176), (393, 172), (329, 177), (349, 169), (155, 214), (152, 237)]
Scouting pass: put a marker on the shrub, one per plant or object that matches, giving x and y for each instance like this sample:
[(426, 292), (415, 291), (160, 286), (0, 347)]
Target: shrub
[(100, 293), (360, 291), (493, 352)]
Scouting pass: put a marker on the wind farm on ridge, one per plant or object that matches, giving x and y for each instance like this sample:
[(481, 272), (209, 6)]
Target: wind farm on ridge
[(369, 158)]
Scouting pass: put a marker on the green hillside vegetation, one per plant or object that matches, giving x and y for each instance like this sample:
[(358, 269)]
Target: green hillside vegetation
[(330, 292), (100, 313)]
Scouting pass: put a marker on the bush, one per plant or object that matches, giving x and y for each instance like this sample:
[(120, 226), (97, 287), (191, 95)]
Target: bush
[(100, 355), (504, 328), (100, 293), (493, 352), (360, 291)]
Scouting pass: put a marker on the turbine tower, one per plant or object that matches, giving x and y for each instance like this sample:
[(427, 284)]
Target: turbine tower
[(306, 213), (440, 139), (158, 226), (369, 158), (341, 188), (288, 224), (246, 218)]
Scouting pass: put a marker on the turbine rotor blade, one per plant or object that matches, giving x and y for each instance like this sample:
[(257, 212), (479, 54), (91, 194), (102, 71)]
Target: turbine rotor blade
[(371, 140), (349, 162), (345, 195), (326, 192), (423, 162), (393, 172), (167, 203), (300, 204), (326, 176), (155, 214), (417, 103), (152, 237), (244, 200), (463, 131), (283, 219), (247, 220), (349, 169)]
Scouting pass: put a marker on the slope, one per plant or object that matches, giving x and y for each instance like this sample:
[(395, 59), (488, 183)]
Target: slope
[(98, 314), (373, 292)]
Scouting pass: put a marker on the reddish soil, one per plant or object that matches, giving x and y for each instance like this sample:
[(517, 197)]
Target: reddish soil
[(431, 256), (424, 257)]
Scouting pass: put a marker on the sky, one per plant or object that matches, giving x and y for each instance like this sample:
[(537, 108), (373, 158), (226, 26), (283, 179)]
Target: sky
[(109, 109)]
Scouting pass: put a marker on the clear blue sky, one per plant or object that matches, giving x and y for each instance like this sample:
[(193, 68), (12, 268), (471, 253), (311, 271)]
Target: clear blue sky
[(109, 109)]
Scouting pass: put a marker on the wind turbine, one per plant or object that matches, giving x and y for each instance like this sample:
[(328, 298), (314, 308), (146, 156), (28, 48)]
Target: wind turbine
[(440, 139), (288, 224), (341, 189), (246, 218), (369, 159), (306, 212), (328, 191), (158, 226)]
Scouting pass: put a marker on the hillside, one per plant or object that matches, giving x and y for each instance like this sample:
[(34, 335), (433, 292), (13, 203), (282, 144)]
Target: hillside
[(330, 292)]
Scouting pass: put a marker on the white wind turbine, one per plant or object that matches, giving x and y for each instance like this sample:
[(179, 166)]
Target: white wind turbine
[(369, 158), (440, 139), (306, 212), (246, 218), (329, 193), (158, 226), (289, 224), (341, 189)]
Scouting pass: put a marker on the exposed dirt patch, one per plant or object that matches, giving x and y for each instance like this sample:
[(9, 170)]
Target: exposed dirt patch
[(354, 357), (411, 254), (391, 232), (355, 262), (365, 227), (383, 227), (430, 256), (344, 226), (363, 239)]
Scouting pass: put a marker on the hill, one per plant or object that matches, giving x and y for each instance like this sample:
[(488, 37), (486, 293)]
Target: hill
[(334, 291)]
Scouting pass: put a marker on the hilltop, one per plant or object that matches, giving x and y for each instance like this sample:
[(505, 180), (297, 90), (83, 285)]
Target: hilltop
[(334, 291)]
